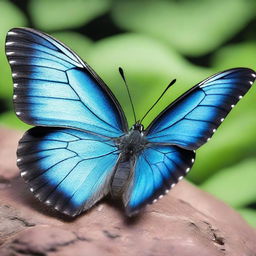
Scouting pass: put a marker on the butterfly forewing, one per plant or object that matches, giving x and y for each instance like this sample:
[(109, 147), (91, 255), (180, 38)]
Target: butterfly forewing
[(192, 119), (53, 87)]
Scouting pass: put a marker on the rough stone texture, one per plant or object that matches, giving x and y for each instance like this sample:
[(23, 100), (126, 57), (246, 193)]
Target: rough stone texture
[(186, 222)]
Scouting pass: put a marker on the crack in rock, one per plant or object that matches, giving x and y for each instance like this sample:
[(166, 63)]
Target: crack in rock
[(24, 222), (42, 241), (11, 222), (217, 239), (110, 234), (25, 249)]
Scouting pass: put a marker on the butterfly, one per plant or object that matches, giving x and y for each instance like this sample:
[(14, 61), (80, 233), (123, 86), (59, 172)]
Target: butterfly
[(81, 148)]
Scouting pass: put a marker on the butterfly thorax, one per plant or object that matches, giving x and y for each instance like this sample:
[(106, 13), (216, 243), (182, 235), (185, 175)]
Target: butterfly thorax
[(129, 145), (132, 142)]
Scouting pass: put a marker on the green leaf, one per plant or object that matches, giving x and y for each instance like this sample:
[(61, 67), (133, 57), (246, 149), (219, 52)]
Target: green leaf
[(249, 215), (10, 17), (55, 15), (149, 67), (192, 27), (10, 120), (234, 185), (80, 44)]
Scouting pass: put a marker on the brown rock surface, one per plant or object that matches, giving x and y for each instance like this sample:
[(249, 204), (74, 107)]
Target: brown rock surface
[(186, 222)]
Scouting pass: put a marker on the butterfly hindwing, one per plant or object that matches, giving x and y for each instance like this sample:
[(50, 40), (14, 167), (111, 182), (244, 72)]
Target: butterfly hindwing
[(193, 118), (156, 170), (54, 87), (67, 169)]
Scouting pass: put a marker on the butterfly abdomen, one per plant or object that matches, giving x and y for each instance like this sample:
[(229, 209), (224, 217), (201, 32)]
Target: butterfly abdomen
[(121, 177), (129, 145)]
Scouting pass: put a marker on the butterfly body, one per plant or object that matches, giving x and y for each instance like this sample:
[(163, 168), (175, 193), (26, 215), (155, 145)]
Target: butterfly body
[(81, 150), (130, 145)]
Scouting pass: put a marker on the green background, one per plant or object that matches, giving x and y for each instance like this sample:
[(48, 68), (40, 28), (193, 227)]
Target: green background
[(155, 41)]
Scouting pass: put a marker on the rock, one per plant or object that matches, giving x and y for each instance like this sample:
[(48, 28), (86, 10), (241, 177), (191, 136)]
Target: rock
[(186, 222)]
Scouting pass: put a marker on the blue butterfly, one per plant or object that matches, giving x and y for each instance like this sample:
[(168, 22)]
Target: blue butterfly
[(81, 148)]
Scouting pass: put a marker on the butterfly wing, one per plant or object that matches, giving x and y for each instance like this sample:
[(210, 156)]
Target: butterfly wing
[(193, 118), (67, 169), (181, 128), (54, 87), (156, 170)]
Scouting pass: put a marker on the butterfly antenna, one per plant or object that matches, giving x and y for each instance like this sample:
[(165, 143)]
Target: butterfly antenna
[(127, 88), (170, 84)]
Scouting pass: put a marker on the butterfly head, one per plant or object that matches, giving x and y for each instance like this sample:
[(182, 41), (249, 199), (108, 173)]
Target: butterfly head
[(138, 127)]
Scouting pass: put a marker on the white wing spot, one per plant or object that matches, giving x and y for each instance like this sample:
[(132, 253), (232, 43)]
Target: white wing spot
[(251, 82), (208, 139), (14, 96), (188, 169), (18, 113), (12, 33), (160, 197), (154, 201), (240, 97), (9, 43), (15, 85), (222, 119), (167, 191), (31, 189), (253, 75), (9, 53), (193, 160), (232, 106), (14, 74), (214, 130), (47, 202), (12, 61), (180, 178), (23, 173), (173, 185), (18, 160), (57, 208)]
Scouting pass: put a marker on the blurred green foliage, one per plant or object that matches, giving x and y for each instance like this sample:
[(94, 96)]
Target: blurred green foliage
[(222, 183), (191, 27), (62, 14), (155, 42)]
